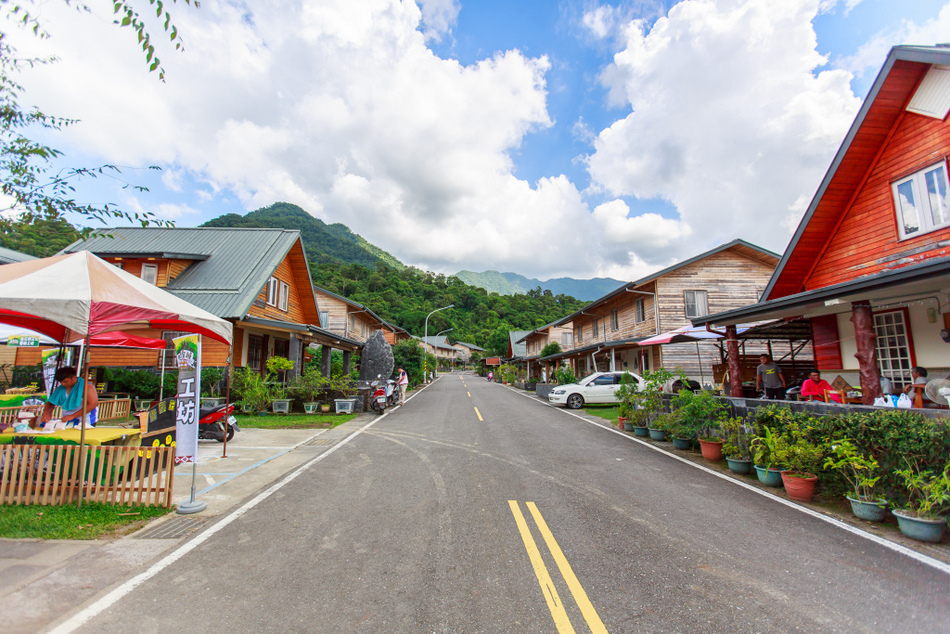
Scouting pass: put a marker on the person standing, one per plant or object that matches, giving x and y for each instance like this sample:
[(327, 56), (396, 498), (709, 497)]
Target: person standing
[(70, 395), (403, 382), (769, 376)]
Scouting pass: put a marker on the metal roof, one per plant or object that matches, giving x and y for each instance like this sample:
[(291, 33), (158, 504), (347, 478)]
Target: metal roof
[(9, 256), (232, 264)]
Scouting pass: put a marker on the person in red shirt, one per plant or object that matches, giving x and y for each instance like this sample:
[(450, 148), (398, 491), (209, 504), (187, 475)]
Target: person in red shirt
[(814, 388)]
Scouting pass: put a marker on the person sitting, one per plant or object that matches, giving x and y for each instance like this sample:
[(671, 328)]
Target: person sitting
[(69, 396), (814, 388), (918, 382)]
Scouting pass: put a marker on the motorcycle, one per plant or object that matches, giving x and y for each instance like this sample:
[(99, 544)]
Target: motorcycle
[(211, 423), (380, 395), (392, 391)]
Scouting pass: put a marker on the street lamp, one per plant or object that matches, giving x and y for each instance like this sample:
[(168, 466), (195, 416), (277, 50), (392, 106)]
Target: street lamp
[(436, 368), (425, 342)]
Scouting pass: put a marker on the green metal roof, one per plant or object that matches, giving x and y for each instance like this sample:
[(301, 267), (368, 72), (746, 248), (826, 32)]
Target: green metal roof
[(231, 265)]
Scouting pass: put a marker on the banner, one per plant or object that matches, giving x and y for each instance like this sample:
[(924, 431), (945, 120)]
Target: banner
[(188, 360), (23, 341), (51, 362)]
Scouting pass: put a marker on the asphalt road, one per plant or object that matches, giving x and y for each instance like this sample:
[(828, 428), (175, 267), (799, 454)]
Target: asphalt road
[(476, 509)]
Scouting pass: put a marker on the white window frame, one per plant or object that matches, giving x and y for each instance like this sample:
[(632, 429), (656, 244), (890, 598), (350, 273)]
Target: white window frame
[(894, 346), (152, 276), (698, 311), (273, 291), (614, 320), (284, 296), (567, 339), (641, 310), (916, 184)]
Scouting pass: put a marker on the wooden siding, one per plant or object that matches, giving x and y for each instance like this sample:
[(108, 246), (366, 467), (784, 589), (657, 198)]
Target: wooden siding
[(884, 114), (295, 312), (825, 340), (867, 240), (628, 328)]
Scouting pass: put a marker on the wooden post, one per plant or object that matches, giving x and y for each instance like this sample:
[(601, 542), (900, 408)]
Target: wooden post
[(732, 353), (866, 338), (347, 362), (325, 352)]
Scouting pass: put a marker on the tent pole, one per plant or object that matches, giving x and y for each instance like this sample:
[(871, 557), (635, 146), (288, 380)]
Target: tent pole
[(227, 402), (161, 385), (82, 420)]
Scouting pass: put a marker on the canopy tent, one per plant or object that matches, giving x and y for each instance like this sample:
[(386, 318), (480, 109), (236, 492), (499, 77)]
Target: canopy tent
[(79, 294)]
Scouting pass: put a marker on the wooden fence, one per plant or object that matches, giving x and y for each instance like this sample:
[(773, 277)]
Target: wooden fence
[(49, 474)]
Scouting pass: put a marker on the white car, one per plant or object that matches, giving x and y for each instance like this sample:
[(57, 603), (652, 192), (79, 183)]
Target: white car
[(599, 387)]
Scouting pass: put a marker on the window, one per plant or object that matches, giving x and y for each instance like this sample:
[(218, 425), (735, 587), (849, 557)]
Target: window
[(118, 265), (150, 273), (579, 334), (284, 296), (595, 327), (324, 319), (922, 201), (168, 357), (614, 321), (255, 349), (695, 303), (273, 291), (567, 339), (641, 310), (893, 346)]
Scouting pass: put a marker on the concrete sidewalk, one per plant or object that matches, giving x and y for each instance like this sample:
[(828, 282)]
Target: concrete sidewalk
[(41, 581)]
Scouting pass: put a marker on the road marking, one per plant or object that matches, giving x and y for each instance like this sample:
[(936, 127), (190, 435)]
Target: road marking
[(558, 613), (877, 539), (580, 597), (479, 414), (469, 394)]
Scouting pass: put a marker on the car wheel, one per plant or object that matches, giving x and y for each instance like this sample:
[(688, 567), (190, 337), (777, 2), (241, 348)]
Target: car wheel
[(575, 401)]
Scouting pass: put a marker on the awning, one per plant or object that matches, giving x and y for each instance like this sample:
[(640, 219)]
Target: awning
[(685, 334)]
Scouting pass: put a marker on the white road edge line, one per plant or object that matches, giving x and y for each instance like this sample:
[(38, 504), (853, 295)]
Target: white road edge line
[(909, 552), (83, 616)]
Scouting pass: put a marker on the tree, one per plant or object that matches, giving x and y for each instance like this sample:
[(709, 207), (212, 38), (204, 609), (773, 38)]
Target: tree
[(552, 348), (41, 238), (27, 176)]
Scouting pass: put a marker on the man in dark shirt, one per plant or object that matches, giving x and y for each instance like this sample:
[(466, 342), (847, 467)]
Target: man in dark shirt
[(769, 376)]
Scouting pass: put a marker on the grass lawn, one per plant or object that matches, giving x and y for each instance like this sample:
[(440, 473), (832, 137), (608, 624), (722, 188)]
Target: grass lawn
[(607, 412), (91, 521), (292, 421)]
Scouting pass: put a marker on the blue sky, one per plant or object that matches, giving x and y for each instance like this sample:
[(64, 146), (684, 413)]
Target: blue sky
[(546, 138)]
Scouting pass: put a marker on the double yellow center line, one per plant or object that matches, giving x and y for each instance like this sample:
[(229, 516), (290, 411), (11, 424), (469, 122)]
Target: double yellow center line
[(559, 614)]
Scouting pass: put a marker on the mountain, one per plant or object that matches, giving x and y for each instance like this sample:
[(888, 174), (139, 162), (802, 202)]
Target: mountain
[(512, 283), (323, 242)]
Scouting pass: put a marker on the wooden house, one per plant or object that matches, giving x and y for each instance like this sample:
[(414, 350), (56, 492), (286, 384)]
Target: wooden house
[(869, 266), (465, 350), (258, 279), (607, 332), (353, 320)]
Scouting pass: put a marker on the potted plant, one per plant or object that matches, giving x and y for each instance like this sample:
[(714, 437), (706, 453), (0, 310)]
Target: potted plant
[(802, 459), (660, 425), (309, 386), (210, 378), (928, 497), (859, 471), (275, 366), (252, 391), (736, 445), (698, 414), (626, 398), (765, 446)]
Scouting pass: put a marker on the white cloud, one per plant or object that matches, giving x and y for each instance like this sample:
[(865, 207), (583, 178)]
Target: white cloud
[(731, 120)]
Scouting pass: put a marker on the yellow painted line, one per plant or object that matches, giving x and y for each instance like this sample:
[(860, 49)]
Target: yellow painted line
[(479, 414), (580, 597), (469, 394), (561, 621)]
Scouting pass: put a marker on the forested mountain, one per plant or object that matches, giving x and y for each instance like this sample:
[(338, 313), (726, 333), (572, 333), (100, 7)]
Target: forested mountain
[(405, 298), (323, 242), (509, 283), (40, 238)]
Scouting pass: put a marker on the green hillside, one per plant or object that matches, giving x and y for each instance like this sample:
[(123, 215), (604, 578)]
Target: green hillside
[(323, 242), (511, 283)]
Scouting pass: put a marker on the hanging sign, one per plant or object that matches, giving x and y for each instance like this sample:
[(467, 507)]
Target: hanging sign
[(188, 360), (23, 341)]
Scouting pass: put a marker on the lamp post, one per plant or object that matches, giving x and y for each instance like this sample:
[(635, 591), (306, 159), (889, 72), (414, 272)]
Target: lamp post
[(425, 342), (436, 368)]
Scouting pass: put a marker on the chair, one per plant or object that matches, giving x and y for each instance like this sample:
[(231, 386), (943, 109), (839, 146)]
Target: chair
[(842, 396), (918, 395)]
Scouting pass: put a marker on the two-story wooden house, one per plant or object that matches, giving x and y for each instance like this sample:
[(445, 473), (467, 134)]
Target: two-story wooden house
[(465, 350), (538, 339), (869, 266), (607, 332), (258, 279)]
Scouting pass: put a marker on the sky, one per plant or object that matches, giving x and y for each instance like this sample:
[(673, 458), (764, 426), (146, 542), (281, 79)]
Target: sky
[(573, 138)]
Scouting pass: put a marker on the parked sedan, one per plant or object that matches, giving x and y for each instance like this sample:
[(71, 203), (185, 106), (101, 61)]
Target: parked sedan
[(599, 387)]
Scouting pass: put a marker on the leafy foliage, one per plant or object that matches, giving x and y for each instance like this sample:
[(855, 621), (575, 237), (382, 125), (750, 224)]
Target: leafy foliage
[(552, 348), (41, 238), (143, 384), (697, 412), (928, 495)]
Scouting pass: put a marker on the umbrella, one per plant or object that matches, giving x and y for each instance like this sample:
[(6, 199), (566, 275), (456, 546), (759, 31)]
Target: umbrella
[(80, 294)]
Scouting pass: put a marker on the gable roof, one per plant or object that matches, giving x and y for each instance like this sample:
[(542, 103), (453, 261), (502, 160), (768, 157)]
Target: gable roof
[(470, 346), (516, 346), (895, 85), (437, 341), (361, 308), (230, 265), (740, 246)]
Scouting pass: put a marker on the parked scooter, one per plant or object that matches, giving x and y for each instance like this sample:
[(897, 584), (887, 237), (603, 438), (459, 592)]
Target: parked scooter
[(392, 392), (212, 420), (380, 395)]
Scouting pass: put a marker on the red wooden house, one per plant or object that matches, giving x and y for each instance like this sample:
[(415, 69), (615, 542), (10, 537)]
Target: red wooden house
[(869, 265)]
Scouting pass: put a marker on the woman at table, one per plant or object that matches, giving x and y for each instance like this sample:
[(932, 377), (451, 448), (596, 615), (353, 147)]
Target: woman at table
[(69, 395), (815, 387)]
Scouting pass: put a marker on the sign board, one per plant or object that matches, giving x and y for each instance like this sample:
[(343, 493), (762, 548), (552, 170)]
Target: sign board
[(188, 360), (23, 341), (51, 361)]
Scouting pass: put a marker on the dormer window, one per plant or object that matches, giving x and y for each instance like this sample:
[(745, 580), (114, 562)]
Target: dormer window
[(150, 273), (921, 201)]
